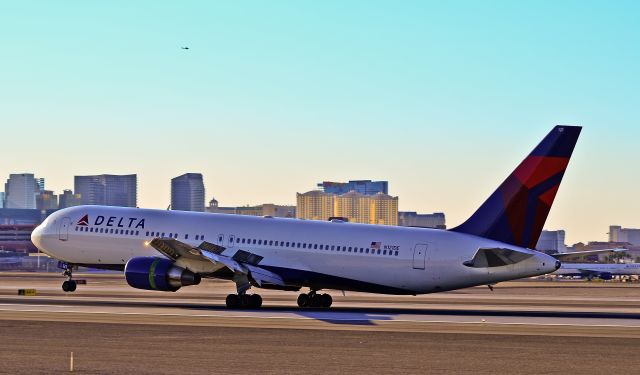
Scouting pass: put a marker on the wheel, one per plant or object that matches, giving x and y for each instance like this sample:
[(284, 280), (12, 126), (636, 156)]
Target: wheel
[(326, 300), (66, 286), (232, 301), (255, 301), (73, 285), (303, 300)]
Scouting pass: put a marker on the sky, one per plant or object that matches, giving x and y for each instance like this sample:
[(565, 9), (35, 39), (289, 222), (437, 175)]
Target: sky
[(442, 99)]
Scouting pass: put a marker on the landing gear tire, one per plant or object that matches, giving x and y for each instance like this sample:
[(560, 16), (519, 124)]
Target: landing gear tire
[(303, 300), (251, 301), (326, 300), (233, 301), (69, 286), (315, 300), (255, 301)]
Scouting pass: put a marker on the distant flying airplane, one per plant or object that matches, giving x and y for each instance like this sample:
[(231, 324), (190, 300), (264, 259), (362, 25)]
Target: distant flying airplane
[(184, 47), (166, 250)]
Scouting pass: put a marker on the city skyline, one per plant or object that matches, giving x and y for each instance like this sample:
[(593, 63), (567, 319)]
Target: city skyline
[(443, 100)]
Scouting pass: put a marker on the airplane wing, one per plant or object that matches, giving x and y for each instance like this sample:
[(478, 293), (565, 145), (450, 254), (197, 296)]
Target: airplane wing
[(578, 256), (244, 265)]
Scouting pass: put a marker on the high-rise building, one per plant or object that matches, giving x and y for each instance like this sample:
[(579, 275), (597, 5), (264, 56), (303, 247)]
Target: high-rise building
[(46, 200), (552, 240), (314, 205), (187, 192), (107, 190), (414, 219), (1, 199), (20, 191), (620, 234), (356, 207), (68, 199), (366, 187), (383, 209), (40, 182)]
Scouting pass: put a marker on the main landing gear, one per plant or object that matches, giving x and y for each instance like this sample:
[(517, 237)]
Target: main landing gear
[(313, 299), (242, 299), (69, 285)]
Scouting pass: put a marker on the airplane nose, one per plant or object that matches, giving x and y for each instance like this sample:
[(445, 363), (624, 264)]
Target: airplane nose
[(37, 236)]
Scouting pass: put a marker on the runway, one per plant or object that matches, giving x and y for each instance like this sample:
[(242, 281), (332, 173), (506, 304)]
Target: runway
[(398, 333)]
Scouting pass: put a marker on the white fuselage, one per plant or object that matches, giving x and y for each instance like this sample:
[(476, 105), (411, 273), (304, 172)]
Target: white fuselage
[(338, 255)]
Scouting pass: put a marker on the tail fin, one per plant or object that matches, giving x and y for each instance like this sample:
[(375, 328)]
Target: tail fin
[(516, 212)]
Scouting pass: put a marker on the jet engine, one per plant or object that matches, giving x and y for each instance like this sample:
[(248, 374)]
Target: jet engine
[(152, 273)]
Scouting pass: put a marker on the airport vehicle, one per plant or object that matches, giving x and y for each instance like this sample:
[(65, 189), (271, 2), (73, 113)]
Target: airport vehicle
[(167, 250), (604, 271)]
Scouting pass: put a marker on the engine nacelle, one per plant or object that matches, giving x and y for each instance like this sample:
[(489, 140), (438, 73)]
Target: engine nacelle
[(153, 273), (605, 275)]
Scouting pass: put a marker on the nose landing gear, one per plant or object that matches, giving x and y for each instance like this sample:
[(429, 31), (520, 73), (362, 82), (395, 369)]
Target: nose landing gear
[(69, 285)]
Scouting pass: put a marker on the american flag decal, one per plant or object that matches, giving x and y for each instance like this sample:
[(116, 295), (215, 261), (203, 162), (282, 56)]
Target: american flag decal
[(375, 245)]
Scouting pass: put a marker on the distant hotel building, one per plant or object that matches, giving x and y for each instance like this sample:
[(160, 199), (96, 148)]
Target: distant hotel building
[(619, 234), (552, 241), (187, 192), (68, 199), (379, 208), (267, 209), (107, 190), (46, 200), (414, 219), (1, 199), (20, 191), (366, 187)]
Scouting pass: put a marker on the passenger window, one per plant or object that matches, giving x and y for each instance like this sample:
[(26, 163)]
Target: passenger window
[(287, 244), (186, 236), (304, 245), (202, 236), (366, 250), (259, 242), (378, 251), (162, 234), (254, 241), (271, 243), (384, 252), (349, 248), (315, 247)]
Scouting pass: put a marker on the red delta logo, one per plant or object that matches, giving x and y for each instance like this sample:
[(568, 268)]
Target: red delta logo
[(84, 221)]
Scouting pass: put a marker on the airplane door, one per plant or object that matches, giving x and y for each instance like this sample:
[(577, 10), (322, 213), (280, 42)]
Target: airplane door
[(419, 256), (64, 229)]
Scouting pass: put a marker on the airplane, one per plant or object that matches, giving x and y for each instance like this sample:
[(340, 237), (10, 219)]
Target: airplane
[(604, 271), (184, 47), (166, 250)]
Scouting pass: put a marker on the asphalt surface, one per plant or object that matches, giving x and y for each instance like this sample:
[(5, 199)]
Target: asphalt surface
[(522, 327)]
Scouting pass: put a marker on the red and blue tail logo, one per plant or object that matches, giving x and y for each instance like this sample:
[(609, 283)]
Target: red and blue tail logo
[(517, 211)]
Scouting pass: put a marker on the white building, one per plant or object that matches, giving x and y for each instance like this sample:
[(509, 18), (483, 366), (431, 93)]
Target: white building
[(619, 234), (552, 240), (20, 191), (414, 219)]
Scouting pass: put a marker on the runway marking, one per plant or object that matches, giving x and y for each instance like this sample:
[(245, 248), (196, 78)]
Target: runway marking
[(318, 318)]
